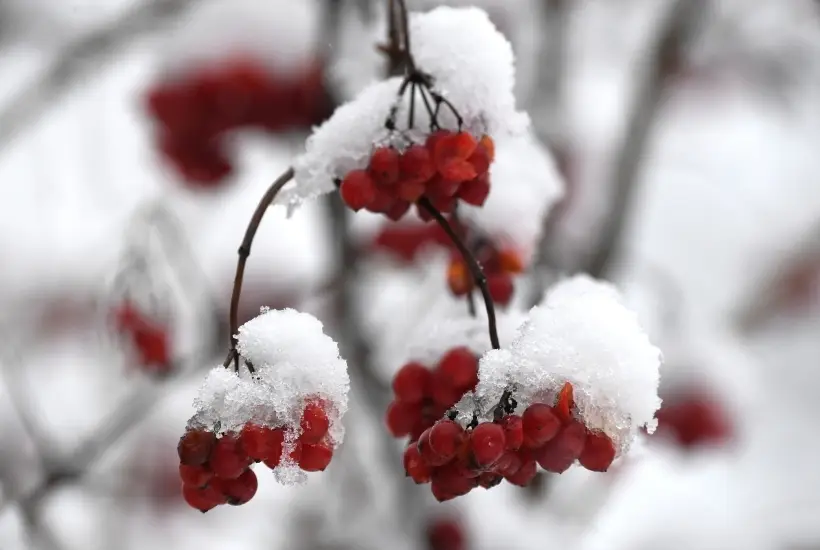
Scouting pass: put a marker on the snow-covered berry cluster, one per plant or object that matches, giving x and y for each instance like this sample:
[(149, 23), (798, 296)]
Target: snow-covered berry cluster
[(195, 112), (448, 167), (283, 410), (146, 337)]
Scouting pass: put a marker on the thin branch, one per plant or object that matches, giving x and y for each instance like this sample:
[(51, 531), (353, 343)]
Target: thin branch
[(245, 251), (472, 264), (88, 54), (664, 61)]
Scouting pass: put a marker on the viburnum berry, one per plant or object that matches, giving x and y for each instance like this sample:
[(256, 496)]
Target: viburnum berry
[(262, 442), (445, 534), (508, 464), (315, 422), (401, 418), (358, 190), (203, 498), (415, 466), (315, 457), (540, 424), (229, 460), (459, 367), (195, 476), (428, 454), (412, 383), (525, 474), (416, 165), (564, 449), (445, 438), (598, 453), (487, 443), (242, 489), (693, 419), (513, 431), (475, 191), (147, 337), (195, 447), (384, 166), (459, 278), (501, 288)]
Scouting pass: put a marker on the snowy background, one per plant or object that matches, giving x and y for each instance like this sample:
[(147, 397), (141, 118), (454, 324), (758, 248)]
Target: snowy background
[(718, 252)]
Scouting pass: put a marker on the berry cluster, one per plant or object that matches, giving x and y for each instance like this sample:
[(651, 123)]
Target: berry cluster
[(423, 395), (694, 419), (196, 112), (499, 266), (216, 469), (146, 337), (455, 460), (449, 167)]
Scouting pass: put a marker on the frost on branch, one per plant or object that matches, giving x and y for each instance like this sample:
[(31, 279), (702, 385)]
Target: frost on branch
[(584, 335), (470, 64), (287, 413)]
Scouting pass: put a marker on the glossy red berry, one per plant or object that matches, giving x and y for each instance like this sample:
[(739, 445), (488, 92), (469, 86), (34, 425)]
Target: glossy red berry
[(599, 452), (412, 382), (445, 438), (398, 210), (444, 394), (195, 447), (401, 418), (203, 498), (416, 164), (540, 425), (488, 480), (384, 166), (509, 463), (242, 489), (501, 288), (415, 466), (229, 460), (315, 457), (358, 190), (475, 191), (525, 474), (562, 451), (195, 476), (513, 431), (262, 442), (315, 422), (430, 456), (480, 160), (487, 443), (411, 190), (459, 367)]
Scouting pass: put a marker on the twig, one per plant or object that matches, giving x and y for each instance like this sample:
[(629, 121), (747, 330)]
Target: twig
[(244, 252), (89, 53), (472, 264), (663, 63)]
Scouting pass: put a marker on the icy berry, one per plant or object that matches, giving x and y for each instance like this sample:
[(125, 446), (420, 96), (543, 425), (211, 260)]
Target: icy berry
[(229, 459), (315, 457), (240, 490), (540, 425), (203, 498), (262, 442), (459, 367), (525, 474), (487, 443), (412, 383), (458, 278), (384, 166), (501, 288), (598, 453), (195, 476), (445, 438), (401, 418), (195, 447), (415, 466), (562, 451), (513, 431), (315, 422), (475, 191), (358, 190)]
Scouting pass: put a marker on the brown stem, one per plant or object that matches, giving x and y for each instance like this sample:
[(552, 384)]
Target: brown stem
[(472, 264), (244, 252), (405, 30)]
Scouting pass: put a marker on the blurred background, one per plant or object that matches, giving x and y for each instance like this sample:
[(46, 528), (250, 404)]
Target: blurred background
[(137, 136)]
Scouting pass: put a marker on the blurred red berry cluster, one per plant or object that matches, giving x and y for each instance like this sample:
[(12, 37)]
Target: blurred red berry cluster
[(693, 418), (216, 469), (146, 337), (499, 266), (195, 112), (449, 167)]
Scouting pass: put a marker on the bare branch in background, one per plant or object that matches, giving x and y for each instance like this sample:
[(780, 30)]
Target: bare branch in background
[(663, 62), (88, 54), (794, 276)]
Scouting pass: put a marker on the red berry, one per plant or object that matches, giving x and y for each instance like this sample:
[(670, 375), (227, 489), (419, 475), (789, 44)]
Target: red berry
[(453, 146), (195, 447), (488, 480), (411, 384), (443, 393), (241, 490), (509, 463), (445, 438), (427, 453), (358, 190), (416, 164), (525, 474), (384, 166), (315, 457), (489, 146), (475, 191), (383, 202), (540, 425), (449, 482), (415, 466), (411, 190), (262, 442), (598, 453), (459, 367), (195, 476), (445, 534), (480, 160), (315, 423), (229, 460), (560, 453), (401, 418), (459, 278), (510, 261), (487, 442), (398, 210), (513, 430), (202, 498), (433, 139), (501, 288), (440, 189), (564, 403)]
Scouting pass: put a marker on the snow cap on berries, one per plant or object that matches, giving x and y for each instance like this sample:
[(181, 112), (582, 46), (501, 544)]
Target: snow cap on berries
[(526, 185), (581, 334)]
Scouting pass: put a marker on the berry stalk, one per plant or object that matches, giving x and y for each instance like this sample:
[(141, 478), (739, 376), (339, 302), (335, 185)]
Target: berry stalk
[(475, 268), (244, 253)]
